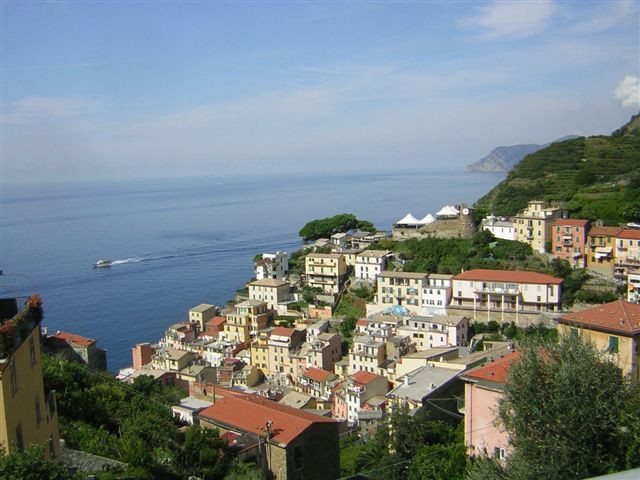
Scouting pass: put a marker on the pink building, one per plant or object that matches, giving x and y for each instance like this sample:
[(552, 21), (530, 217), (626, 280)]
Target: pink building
[(569, 239), (141, 354), (482, 391)]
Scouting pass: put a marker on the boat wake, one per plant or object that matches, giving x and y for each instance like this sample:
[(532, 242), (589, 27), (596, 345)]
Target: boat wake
[(142, 259)]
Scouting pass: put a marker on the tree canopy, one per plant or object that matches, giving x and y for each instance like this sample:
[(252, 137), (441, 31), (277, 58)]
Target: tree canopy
[(325, 227), (569, 413)]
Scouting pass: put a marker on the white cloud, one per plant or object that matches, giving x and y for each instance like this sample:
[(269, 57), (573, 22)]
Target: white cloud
[(609, 16), (511, 19), (628, 91), (40, 107)]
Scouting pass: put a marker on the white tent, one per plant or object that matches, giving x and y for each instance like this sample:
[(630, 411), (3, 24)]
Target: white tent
[(448, 211), (427, 219), (408, 219)]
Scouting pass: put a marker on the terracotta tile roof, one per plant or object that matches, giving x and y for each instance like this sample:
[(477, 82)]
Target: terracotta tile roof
[(317, 374), (363, 378), (513, 276), (629, 234), (250, 414), (619, 316), (363, 322), (495, 371), (576, 222), (604, 231), (216, 321), (283, 331), (77, 339)]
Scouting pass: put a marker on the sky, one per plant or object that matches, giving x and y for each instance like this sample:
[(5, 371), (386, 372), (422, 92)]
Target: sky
[(114, 90)]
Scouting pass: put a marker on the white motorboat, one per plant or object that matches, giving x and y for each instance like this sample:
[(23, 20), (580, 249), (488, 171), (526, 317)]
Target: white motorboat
[(102, 263)]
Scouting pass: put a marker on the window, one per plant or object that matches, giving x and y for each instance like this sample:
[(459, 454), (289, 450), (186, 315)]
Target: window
[(19, 440), (38, 413), (613, 344), (32, 350), (14, 380)]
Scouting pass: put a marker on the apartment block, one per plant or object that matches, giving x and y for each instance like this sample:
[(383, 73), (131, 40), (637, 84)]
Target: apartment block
[(436, 331), (282, 342), (201, 313), (534, 224), (369, 264), (601, 242), (272, 265), (367, 354), (327, 271), (271, 291), (493, 294), (627, 253), (363, 387), (569, 240)]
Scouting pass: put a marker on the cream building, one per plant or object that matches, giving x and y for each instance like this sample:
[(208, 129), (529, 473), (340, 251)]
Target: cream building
[(627, 252), (534, 224), (400, 288), (367, 354), (200, 314), (436, 331), (491, 294), (271, 291), (247, 319), (436, 294), (326, 271)]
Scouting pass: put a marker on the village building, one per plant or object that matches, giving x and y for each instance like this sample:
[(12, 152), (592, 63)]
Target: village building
[(367, 354), (505, 295), (633, 286), (370, 263), (534, 224), (627, 253), (272, 291), (613, 328), (28, 413), (215, 327), (416, 388), (340, 240), (272, 265), (77, 348), (350, 255), (142, 354), (179, 335), (500, 227), (327, 271), (260, 352), (399, 288), (188, 408), (436, 331), (318, 383), (569, 240), (245, 321), (365, 391), (436, 294), (287, 443), (482, 392), (282, 342), (601, 242), (172, 360), (201, 313)]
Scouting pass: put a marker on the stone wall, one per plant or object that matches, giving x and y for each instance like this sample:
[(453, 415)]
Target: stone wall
[(460, 227), (522, 319)]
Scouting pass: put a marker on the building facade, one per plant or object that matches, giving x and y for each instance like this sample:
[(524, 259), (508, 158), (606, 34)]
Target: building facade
[(272, 265), (370, 263), (271, 291), (28, 414), (500, 227), (201, 313), (437, 331), (601, 242), (534, 224), (569, 240), (327, 271)]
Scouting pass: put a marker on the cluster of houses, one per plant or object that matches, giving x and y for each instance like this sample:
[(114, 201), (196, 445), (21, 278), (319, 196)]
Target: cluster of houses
[(613, 252), (271, 386)]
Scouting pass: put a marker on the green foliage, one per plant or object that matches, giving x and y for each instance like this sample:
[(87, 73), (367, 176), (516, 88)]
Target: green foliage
[(364, 293), (133, 424), (439, 462), (564, 403), (592, 296), (244, 471), (595, 177), (309, 293), (486, 468), (325, 227), (31, 464)]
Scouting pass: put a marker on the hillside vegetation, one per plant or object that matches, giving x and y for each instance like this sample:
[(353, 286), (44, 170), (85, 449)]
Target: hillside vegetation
[(596, 178)]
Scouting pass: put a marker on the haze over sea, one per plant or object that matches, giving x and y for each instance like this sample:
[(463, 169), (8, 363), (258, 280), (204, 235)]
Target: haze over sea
[(180, 242)]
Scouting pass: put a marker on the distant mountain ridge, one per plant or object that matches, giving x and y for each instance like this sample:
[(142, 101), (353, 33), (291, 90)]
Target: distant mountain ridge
[(503, 159)]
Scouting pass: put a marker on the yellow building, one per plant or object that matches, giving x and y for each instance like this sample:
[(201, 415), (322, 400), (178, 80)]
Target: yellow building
[(28, 414), (600, 249), (260, 352), (535, 223), (614, 328), (327, 271)]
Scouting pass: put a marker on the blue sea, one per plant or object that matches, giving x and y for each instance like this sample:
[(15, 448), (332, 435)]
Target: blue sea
[(180, 242)]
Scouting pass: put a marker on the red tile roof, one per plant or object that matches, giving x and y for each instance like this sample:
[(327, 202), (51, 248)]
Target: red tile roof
[(495, 371), (216, 321), (317, 374), (604, 231), (250, 414), (362, 322), (363, 378), (283, 331), (619, 316), (77, 339), (576, 222), (513, 276), (629, 234)]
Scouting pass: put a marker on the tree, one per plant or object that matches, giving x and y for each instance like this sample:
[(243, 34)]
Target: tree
[(30, 464), (439, 462), (564, 403)]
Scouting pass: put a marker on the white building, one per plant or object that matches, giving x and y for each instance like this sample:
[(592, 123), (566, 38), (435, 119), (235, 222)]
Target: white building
[(436, 331), (272, 265), (340, 240), (271, 291), (436, 293), (370, 263), (500, 227), (361, 388)]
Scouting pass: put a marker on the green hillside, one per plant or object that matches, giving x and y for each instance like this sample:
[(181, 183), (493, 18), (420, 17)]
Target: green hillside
[(595, 177)]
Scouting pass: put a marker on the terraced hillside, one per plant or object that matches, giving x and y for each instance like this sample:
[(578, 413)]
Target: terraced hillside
[(595, 177)]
